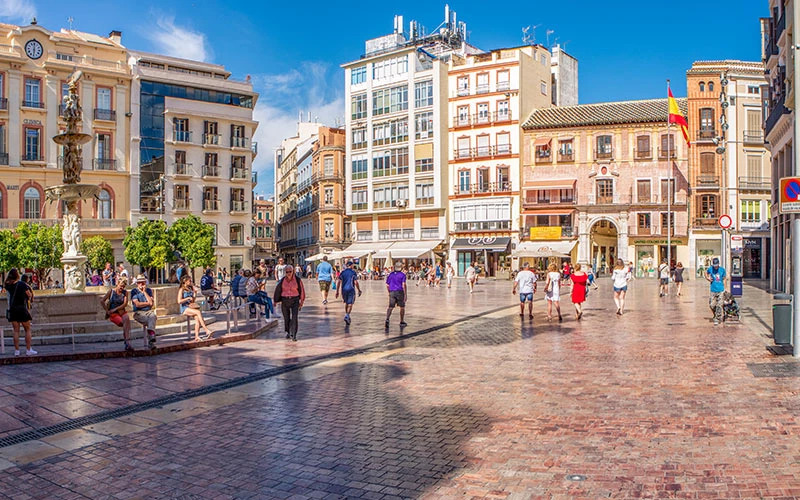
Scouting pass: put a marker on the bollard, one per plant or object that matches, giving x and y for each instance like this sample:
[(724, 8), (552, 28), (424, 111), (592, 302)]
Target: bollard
[(2, 340), (72, 327)]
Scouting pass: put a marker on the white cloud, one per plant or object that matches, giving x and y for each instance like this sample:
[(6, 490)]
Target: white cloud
[(178, 41), (18, 10), (311, 88)]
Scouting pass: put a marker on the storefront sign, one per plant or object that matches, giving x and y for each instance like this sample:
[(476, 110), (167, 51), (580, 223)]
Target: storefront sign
[(737, 242), (31, 122), (673, 241), (546, 233), (752, 243), (790, 195)]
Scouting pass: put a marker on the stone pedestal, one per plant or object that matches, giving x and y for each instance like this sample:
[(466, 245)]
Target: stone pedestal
[(74, 277)]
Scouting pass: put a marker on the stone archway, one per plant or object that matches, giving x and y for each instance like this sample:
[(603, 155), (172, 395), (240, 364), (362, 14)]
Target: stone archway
[(598, 233)]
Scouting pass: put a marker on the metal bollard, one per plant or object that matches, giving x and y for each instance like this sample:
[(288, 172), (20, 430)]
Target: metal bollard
[(72, 326)]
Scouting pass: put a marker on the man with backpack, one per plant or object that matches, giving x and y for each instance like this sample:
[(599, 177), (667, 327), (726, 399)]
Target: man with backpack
[(716, 277)]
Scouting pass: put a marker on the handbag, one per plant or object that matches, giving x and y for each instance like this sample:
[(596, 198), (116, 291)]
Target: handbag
[(333, 285), (549, 288)]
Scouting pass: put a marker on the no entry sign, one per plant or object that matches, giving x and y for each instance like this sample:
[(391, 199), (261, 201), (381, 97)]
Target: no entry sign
[(725, 221), (790, 195)]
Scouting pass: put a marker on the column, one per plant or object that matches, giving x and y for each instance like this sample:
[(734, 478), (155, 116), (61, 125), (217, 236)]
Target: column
[(52, 98), (133, 154), (622, 237), (584, 253), (14, 121), (121, 135), (87, 105)]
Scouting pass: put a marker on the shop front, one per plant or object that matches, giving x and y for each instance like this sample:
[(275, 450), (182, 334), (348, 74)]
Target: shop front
[(490, 253), (706, 250), (649, 252), (755, 251), (540, 254)]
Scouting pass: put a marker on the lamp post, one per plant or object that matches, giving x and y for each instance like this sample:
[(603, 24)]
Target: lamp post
[(721, 150)]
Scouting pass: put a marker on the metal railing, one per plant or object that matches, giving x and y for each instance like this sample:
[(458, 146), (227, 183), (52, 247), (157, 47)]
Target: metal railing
[(182, 169), (775, 114), (481, 89), (211, 205), (182, 135), (33, 104), (304, 242), (211, 139), (482, 119), (238, 173), (643, 154), (706, 133), (566, 157), (3, 103), (238, 206), (707, 181), (482, 188), (182, 204), (105, 114), (482, 151), (305, 210), (240, 142), (755, 183), (3, 158), (780, 26), (662, 153), (705, 221), (603, 154), (534, 201), (32, 157), (104, 163), (210, 170), (543, 156)]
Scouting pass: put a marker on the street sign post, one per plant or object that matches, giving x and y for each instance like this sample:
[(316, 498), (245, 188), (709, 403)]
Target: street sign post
[(790, 195)]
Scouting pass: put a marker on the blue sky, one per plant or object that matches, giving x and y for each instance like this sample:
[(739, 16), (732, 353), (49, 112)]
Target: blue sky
[(626, 48)]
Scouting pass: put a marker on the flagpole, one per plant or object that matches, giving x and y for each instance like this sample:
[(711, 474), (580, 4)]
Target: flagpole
[(669, 184)]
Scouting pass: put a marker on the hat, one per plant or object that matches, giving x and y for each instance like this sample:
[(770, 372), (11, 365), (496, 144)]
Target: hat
[(141, 278), (715, 261), (349, 263)]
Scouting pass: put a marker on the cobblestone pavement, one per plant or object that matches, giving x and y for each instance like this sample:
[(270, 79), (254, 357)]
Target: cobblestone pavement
[(656, 403)]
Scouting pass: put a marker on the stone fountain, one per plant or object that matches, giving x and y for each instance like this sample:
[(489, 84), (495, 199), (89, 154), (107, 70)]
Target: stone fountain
[(72, 192)]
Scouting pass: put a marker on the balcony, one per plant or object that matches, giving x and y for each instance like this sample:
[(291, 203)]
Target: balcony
[(306, 209), (181, 204), (780, 26), (286, 192), (182, 169), (775, 114), (287, 243), (33, 104), (643, 154), (306, 242), (543, 156), (706, 134), (238, 206), (211, 205), (108, 115), (238, 174), (290, 215), (755, 183), (34, 156), (706, 222), (3, 103), (662, 153), (254, 178), (483, 188), (604, 154), (109, 164), (481, 119), (211, 139), (210, 171), (182, 135), (707, 181), (254, 148), (483, 152), (565, 157), (3, 158), (538, 202), (494, 225), (326, 176), (303, 185), (753, 137), (240, 142)]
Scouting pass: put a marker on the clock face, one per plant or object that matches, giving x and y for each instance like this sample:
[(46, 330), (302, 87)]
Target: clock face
[(34, 49)]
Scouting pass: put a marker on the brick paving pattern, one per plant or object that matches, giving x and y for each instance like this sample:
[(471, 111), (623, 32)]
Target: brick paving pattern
[(655, 404)]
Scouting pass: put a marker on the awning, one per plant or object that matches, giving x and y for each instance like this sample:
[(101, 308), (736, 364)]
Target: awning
[(545, 248), (358, 250), (407, 249), (490, 244), (551, 184), (316, 257), (542, 141)]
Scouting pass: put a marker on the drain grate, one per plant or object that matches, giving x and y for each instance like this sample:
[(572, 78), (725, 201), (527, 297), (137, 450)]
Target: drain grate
[(407, 357), (777, 370), (77, 423), (576, 477)]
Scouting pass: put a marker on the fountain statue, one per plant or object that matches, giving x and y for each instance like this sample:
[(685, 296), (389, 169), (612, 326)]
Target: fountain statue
[(72, 192)]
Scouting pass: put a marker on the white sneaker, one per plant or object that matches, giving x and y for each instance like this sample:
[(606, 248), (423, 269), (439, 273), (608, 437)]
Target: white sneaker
[(30, 352), (16, 353)]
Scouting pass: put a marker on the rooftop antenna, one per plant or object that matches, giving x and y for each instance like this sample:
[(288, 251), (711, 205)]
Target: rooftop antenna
[(549, 32), (70, 20), (529, 34)]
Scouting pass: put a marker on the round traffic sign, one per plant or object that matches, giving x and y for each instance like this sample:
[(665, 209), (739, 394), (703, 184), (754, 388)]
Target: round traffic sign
[(725, 221), (792, 190)]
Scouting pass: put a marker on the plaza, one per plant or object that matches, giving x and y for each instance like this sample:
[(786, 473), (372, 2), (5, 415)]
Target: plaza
[(468, 401)]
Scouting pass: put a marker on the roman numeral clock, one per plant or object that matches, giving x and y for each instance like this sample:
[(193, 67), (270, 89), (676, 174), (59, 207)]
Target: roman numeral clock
[(34, 49)]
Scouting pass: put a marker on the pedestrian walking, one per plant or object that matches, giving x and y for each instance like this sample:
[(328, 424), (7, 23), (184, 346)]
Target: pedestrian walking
[(20, 296), (716, 276), (663, 274), (590, 277), (679, 278), (621, 276), (114, 302), (396, 286), (190, 308), (552, 291), (347, 284), (579, 290), (525, 283), (324, 277), (280, 270), (439, 273), (471, 276), (450, 273), (290, 294), (143, 313)]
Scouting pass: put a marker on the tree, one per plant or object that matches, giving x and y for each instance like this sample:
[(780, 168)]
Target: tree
[(194, 239), (39, 247), (147, 245), (98, 251), (8, 250)]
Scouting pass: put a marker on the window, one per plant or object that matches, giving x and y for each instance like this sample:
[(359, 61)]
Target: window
[(504, 143), (390, 67), (707, 167), (754, 168), (389, 195), (751, 211), (425, 194), (423, 125), (477, 216), (604, 148), (667, 190), (667, 146), (503, 180), (482, 86), (463, 116), (503, 111), (104, 98), (464, 182), (643, 191), (360, 200), (31, 204), (543, 88), (358, 75), (32, 144), (237, 200), (423, 165), (463, 147), (391, 162), (482, 145), (463, 85), (643, 147), (503, 81), (390, 100), (668, 220), (2, 86), (358, 106), (360, 165), (702, 87), (390, 132), (483, 113), (708, 206), (364, 236), (104, 151), (3, 149), (360, 138), (565, 150), (605, 191), (753, 132), (104, 204), (423, 94), (181, 192), (711, 86), (328, 228), (753, 89), (643, 221), (64, 91), (33, 93), (327, 166), (328, 196), (237, 234), (707, 126), (180, 127)]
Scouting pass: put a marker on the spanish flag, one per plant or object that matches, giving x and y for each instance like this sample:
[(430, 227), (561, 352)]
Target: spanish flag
[(675, 116)]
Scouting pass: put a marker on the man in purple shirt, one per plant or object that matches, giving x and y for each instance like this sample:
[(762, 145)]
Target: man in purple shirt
[(396, 285)]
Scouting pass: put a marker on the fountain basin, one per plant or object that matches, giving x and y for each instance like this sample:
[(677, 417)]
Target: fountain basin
[(72, 138), (72, 192)]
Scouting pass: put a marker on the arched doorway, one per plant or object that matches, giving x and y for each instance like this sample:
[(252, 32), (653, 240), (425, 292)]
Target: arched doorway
[(603, 245)]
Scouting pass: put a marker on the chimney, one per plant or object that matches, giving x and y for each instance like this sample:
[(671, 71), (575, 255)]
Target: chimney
[(115, 36)]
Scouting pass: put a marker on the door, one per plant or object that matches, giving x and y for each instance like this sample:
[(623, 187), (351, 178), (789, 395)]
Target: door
[(464, 259)]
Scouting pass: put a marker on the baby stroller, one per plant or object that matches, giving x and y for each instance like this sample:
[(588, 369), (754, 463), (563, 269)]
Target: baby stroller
[(730, 308)]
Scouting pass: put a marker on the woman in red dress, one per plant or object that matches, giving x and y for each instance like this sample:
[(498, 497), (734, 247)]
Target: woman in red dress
[(579, 279)]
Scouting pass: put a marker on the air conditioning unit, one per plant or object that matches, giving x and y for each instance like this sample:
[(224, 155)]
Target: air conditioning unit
[(400, 203)]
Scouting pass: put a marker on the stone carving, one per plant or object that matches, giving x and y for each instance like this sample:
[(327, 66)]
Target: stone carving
[(73, 277), (71, 235)]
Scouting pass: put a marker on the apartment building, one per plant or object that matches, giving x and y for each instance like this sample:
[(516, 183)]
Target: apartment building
[(191, 149), (263, 229), (609, 178), (728, 162), (396, 126), (777, 54), (35, 65), (488, 95)]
